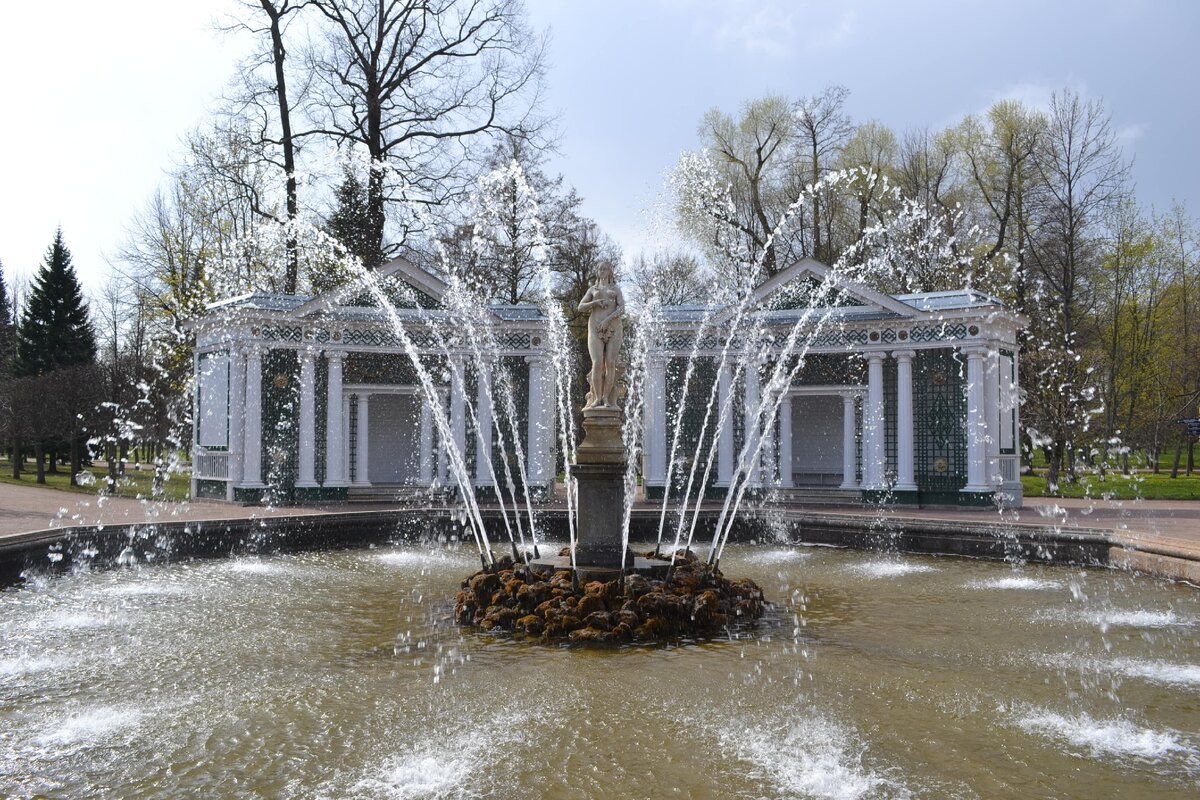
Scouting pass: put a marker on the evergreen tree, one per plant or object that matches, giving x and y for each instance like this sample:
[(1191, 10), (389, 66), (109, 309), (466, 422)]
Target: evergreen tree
[(55, 330), (350, 221), (8, 330)]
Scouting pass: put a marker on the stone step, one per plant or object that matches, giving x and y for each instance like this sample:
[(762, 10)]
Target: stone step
[(816, 496), (386, 493)]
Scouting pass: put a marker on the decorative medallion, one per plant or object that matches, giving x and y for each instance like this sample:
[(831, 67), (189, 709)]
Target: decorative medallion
[(973, 330), (902, 335), (940, 379), (281, 380), (337, 336), (537, 340), (254, 331), (941, 464), (874, 337)]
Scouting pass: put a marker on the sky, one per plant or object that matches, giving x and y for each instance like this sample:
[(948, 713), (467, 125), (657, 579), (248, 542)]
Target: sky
[(96, 97)]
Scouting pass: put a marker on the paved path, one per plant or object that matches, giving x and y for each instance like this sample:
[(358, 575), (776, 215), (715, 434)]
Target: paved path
[(31, 508), (1171, 526)]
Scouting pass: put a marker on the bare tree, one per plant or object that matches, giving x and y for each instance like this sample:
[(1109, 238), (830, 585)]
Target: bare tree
[(823, 128), (416, 83), (1085, 177), (262, 109), (751, 155), (674, 278)]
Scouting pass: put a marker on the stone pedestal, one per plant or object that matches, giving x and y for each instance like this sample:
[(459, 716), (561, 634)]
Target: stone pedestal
[(600, 472)]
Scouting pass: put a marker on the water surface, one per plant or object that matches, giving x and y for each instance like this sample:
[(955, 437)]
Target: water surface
[(339, 675)]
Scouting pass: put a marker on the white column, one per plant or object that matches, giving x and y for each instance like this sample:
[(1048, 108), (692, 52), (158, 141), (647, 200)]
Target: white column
[(237, 405), (443, 456), (346, 434), (483, 420), (976, 423), (785, 442), (361, 436), (425, 467), (849, 456), (335, 464), (768, 455), (750, 418), (252, 421), (538, 437), (725, 434), (655, 432), (308, 440), (905, 475), (874, 451), (458, 407), (991, 409)]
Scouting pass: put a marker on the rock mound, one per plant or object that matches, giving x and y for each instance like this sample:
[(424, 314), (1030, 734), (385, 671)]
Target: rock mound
[(696, 602)]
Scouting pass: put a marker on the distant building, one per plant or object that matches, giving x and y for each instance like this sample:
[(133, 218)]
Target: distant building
[(910, 398), (316, 398)]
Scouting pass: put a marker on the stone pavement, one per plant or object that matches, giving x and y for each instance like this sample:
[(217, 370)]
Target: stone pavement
[(1153, 535), (30, 508)]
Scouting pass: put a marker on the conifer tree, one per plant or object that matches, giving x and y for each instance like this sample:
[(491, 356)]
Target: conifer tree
[(8, 330), (350, 221), (55, 330)]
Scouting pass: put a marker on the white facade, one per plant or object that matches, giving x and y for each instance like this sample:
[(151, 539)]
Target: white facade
[(917, 401), (355, 418)]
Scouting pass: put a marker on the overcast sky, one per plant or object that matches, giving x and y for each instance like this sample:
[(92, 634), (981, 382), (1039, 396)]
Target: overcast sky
[(95, 96)]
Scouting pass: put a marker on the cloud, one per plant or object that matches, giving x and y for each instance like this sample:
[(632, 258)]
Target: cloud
[(1128, 135), (772, 28)]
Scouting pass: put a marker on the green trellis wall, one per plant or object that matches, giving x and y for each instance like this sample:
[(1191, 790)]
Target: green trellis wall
[(940, 415)]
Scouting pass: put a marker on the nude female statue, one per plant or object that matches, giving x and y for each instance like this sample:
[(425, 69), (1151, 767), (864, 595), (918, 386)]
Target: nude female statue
[(606, 305)]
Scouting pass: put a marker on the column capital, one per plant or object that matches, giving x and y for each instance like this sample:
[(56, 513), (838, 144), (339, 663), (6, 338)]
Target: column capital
[(536, 358), (309, 354), (977, 349), (335, 355), (875, 355), (255, 350), (904, 355)]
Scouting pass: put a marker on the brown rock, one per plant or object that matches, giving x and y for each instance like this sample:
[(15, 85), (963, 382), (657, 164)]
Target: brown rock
[(589, 604), (601, 620)]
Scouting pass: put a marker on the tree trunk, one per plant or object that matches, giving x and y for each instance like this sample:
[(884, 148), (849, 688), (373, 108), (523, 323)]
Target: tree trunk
[(17, 460), (1178, 455), (111, 452), (289, 158), (1191, 462), (1054, 466), (39, 455), (52, 467), (76, 460)]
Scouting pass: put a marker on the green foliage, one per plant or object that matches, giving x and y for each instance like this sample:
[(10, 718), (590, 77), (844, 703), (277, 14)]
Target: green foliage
[(55, 330), (8, 327), (350, 225)]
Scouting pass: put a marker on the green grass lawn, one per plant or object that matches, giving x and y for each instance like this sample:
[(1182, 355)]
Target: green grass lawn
[(136, 483), (1117, 487)]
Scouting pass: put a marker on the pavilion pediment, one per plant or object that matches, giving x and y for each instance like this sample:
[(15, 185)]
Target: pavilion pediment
[(810, 284), (404, 284)]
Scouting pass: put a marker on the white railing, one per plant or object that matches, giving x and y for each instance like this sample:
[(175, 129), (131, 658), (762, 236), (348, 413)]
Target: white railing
[(1008, 469), (210, 465)]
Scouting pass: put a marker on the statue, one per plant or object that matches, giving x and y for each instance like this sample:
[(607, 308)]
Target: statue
[(606, 305)]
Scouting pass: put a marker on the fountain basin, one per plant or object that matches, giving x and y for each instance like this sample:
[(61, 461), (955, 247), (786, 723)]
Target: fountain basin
[(341, 674)]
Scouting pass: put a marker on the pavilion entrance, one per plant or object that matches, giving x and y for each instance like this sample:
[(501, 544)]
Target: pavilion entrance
[(817, 441)]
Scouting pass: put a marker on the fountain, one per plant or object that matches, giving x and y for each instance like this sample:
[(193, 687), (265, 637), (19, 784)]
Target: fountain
[(331, 656), (583, 593)]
